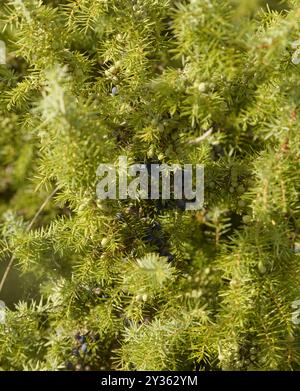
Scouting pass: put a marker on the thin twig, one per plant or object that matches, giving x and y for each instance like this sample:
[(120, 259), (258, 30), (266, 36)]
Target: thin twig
[(7, 270), (201, 138)]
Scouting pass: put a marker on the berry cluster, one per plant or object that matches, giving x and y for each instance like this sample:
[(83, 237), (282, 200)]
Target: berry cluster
[(79, 352)]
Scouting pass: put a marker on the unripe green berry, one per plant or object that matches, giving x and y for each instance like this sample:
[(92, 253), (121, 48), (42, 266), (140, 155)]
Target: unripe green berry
[(104, 242), (261, 267)]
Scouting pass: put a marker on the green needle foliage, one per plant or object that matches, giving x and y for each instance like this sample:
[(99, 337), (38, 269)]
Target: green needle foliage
[(142, 284)]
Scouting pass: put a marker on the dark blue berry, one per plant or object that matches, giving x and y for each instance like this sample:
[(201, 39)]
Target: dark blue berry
[(80, 338), (84, 348)]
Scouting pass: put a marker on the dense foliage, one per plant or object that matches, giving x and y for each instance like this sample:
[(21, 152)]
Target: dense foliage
[(145, 284)]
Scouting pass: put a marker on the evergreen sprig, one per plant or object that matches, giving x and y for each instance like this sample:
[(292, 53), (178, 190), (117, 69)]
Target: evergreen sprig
[(142, 284)]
